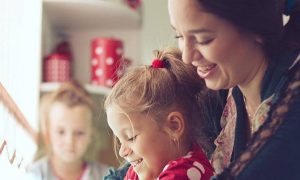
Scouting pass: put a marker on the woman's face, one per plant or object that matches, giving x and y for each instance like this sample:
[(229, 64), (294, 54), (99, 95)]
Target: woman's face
[(224, 56)]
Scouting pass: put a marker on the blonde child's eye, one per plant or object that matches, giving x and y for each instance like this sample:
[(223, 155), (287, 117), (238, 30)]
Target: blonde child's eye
[(61, 132), (79, 133)]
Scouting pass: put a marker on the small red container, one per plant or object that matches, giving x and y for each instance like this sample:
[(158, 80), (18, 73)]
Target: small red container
[(106, 60), (57, 68)]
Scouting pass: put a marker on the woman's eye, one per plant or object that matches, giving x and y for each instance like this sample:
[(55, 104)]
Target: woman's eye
[(205, 42), (132, 139)]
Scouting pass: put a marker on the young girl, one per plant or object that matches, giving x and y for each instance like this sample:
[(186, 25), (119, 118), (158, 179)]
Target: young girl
[(66, 136), (155, 114)]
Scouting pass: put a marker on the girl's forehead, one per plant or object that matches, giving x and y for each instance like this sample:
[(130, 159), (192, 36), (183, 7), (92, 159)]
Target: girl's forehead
[(121, 122), (118, 120)]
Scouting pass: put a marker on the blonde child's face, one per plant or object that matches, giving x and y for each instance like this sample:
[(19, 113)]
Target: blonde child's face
[(143, 142), (70, 132)]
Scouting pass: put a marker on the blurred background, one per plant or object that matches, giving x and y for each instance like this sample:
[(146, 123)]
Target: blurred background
[(46, 42)]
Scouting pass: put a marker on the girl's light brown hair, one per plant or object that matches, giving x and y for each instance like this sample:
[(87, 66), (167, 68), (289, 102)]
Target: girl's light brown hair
[(71, 94), (158, 91)]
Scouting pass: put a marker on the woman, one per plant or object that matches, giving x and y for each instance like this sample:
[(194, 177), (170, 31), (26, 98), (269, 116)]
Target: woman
[(241, 45)]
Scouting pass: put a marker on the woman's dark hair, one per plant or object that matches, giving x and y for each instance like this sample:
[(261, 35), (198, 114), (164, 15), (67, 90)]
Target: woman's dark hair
[(261, 17)]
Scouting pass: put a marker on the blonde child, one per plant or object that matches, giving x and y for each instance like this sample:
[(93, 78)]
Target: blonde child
[(66, 136), (157, 115)]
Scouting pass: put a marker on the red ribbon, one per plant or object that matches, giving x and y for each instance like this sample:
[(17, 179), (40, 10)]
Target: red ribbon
[(157, 63)]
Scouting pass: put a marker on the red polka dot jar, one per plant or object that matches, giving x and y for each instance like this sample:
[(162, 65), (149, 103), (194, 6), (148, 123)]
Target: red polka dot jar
[(106, 58), (57, 68), (134, 4)]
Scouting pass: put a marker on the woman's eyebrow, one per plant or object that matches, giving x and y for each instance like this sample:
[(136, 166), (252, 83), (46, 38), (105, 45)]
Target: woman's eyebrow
[(201, 30), (196, 31)]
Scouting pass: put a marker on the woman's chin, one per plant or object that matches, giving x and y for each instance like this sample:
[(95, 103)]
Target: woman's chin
[(213, 85)]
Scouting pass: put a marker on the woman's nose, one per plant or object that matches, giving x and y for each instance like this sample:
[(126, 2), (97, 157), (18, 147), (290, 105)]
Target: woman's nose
[(124, 150), (189, 52)]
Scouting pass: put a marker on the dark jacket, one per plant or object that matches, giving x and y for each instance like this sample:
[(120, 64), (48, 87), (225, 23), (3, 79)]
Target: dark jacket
[(274, 150)]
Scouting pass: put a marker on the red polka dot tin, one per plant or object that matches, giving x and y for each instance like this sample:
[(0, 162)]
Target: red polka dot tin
[(57, 68), (106, 60)]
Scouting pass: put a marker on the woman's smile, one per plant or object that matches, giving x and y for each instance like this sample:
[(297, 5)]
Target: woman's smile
[(205, 71)]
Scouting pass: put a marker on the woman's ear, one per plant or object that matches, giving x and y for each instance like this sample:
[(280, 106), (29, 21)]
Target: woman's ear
[(175, 124), (258, 39), (254, 37)]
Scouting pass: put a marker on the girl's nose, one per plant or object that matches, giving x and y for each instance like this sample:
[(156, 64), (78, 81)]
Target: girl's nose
[(124, 151)]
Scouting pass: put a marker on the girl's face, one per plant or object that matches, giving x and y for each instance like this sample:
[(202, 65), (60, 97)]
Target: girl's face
[(224, 56), (143, 143), (70, 131)]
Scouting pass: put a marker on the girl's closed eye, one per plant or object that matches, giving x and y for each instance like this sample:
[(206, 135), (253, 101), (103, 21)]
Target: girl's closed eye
[(178, 36), (132, 138)]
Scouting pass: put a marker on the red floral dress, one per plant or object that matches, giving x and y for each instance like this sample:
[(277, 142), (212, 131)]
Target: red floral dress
[(193, 166)]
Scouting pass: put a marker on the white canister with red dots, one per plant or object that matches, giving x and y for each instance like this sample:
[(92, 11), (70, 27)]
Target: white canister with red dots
[(57, 68), (106, 57)]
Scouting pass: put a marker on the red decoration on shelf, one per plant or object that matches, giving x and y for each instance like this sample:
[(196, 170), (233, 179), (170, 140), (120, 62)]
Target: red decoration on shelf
[(64, 48), (57, 65), (106, 61), (57, 68), (134, 4)]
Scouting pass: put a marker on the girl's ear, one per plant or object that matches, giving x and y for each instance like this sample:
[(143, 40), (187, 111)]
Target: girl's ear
[(175, 124)]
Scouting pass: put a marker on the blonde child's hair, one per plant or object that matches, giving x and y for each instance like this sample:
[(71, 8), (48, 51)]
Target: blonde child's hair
[(158, 91), (71, 94)]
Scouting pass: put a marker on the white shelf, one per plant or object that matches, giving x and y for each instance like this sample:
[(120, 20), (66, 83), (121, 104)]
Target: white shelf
[(98, 90), (90, 14)]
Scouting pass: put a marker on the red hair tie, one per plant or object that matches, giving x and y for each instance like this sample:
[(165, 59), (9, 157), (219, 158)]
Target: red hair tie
[(157, 63)]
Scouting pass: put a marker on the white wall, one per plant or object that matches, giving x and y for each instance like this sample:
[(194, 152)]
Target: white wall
[(157, 32), (20, 22)]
